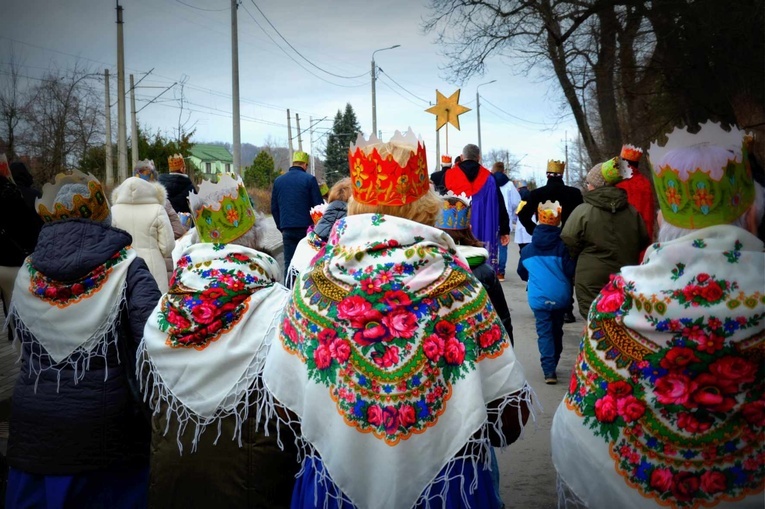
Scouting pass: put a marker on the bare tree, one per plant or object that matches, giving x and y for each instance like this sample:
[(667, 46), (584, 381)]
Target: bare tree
[(511, 162), (63, 120), (12, 105)]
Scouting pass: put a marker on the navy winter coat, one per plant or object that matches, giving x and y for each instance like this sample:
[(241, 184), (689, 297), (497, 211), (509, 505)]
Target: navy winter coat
[(293, 195), (63, 428), (547, 266), (178, 187), (335, 211)]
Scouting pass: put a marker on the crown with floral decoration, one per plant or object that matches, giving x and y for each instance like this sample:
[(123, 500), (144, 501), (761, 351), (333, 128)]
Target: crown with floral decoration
[(91, 205), (548, 212), (631, 153), (555, 166), (229, 216), (317, 212), (455, 212), (702, 179), (393, 173), (176, 162)]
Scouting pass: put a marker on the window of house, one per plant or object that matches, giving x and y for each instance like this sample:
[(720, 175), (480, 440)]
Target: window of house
[(208, 168)]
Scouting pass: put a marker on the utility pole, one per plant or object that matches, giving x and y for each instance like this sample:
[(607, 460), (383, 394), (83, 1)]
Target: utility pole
[(374, 92), (235, 89), (300, 138), (121, 120), (134, 125), (108, 145), (289, 133), (438, 151), (565, 147), (310, 137), (478, 112)]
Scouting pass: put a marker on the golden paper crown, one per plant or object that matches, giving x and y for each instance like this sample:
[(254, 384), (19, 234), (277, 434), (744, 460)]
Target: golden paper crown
[(549, 213), (393, 173), (555, 166), (176, 162), (631, 153), (229, 217), (92, 205)]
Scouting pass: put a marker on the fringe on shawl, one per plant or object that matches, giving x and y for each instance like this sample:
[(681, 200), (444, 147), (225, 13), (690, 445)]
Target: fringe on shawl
[(292, 276), (474, 454), (567, 499), (249, 393), (96, 346)]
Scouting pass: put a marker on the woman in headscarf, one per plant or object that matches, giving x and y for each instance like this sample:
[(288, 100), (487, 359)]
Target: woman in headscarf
[(391, 360), (666, 405), (78, 437), (215, 439), (138, 207)]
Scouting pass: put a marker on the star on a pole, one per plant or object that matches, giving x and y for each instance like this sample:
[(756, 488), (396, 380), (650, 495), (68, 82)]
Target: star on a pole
[(447, 109)]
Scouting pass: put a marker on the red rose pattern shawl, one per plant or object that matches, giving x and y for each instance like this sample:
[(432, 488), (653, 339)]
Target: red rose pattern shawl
[(666, 405), (390, 351), (205, 343)]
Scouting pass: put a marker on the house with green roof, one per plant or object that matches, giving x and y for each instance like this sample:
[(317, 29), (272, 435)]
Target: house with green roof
[(211, 160)]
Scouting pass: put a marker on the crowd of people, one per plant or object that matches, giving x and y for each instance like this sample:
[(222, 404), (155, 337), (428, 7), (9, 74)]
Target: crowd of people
[(168, 361)]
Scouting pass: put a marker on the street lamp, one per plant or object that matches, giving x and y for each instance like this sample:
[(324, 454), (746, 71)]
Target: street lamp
[(478, 110), (374, 96)]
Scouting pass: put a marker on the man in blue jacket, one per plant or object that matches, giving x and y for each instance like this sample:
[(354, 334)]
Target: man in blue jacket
[(293, 195)]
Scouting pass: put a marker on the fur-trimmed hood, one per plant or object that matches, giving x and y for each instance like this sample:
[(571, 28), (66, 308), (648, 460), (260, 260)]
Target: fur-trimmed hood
[(136, 191)]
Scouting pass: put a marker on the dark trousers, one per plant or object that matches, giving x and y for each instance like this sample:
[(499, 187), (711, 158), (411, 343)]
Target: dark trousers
[(290, 238), (549, 338)]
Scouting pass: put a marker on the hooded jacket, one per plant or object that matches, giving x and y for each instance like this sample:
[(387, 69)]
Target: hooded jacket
[(605, 233), (547, 266), (555, 190), (58, 427), (138, 207), (178, 187), (336, 210)]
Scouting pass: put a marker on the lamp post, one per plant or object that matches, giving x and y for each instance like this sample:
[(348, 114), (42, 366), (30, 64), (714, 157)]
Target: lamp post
[(374, 95), (478, 111)]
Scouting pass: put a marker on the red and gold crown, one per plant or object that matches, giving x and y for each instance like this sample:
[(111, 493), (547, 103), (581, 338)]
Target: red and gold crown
[(549, 213), (393, 173), (631, 153), (446, 160), (317, 211), (176, 162), (555, 166), (91, 204)]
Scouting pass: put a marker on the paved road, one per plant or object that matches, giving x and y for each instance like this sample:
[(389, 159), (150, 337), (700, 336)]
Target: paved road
[(527, 476)]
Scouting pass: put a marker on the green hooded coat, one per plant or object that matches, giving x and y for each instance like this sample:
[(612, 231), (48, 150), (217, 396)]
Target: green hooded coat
[(605, 233)]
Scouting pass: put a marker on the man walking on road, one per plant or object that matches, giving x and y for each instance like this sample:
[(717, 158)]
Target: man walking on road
[(293, 195), (489, 219), (555, 190)]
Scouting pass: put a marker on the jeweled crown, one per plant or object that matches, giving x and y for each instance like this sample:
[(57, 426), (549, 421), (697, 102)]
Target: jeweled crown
[(393, 173), (555, 166), (455, 212), (176, 162), (631, 153), (92, 205), (702, 179), (548, 212), (228, 217)]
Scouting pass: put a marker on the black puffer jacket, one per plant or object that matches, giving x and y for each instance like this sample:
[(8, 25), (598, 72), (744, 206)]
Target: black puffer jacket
[(19, 225), (63, 428), (555, 190), (335, 211), (178, 188)]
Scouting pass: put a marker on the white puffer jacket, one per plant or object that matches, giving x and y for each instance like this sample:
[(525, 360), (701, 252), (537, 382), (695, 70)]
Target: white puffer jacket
[(138, 207)]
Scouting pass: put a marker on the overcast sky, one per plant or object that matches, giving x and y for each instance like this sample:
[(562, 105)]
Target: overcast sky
[(182, 42)]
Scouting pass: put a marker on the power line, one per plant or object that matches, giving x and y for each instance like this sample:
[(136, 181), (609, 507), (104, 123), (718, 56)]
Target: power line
[(201, 8), (399, 94), (402, 88), (296, 51), (516, 117), (292, 58)]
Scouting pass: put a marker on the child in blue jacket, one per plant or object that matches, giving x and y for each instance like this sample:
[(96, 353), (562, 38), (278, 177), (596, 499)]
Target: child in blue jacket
[(547, 266)]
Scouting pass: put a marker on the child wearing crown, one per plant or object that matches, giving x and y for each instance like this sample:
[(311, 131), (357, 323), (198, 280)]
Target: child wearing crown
[(390, 357), (547, 266)]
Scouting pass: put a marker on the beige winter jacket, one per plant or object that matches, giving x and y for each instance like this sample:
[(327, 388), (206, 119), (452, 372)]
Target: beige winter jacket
[(138, 207)]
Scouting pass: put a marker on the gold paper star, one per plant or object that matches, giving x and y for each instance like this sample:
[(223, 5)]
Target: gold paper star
[(447, 109)]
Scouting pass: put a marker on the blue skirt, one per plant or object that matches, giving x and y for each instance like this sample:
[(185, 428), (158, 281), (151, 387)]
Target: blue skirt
[(116, 488), (486, 496)]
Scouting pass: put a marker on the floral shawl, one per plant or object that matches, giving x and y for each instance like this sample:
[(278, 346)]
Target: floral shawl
[(667, 399), (44, 308), (205, 343), (390, 351)]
